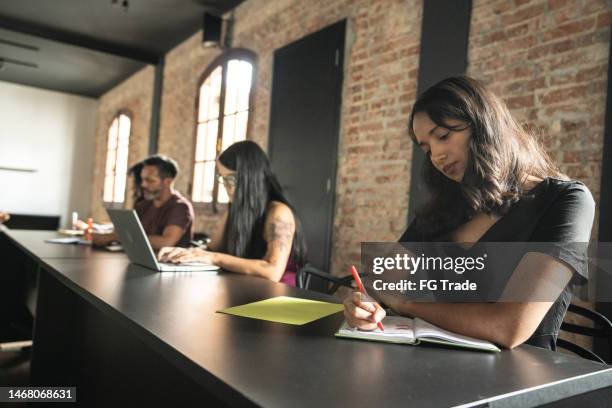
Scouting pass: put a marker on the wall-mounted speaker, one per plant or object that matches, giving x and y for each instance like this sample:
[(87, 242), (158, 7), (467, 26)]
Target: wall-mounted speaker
[(212, 27)]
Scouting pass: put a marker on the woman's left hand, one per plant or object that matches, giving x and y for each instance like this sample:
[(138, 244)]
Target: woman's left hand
[(184, 255)]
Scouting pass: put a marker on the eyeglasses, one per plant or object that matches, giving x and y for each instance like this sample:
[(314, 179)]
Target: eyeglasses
[(229, 181)]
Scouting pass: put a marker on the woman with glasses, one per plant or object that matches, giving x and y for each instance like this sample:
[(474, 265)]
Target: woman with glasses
[(260, 234), (491, 182)]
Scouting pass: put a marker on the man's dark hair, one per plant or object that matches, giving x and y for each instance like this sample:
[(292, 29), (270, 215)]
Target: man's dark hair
[(167, 167)]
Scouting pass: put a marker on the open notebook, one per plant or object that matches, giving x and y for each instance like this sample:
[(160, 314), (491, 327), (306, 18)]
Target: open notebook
[(413, 331)]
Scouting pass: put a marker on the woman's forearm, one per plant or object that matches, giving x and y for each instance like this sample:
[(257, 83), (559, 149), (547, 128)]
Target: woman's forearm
[(507, 324), (253, 267)]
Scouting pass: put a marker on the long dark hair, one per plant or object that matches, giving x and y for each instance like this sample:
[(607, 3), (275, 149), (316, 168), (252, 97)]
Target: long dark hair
[(501, 154), (255, 187), (134, 171)]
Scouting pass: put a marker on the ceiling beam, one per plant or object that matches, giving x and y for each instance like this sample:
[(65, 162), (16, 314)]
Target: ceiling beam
[(78, 40)]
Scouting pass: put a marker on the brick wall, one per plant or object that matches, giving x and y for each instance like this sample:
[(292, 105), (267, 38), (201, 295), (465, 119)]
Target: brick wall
[(379, 87), (135, 96), (547, 59)]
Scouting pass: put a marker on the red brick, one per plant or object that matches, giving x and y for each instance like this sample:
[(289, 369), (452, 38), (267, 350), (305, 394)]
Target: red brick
[(561, 95), (570, 28), (523, 14), (517, 30), (520, 43), (356, 68), (592, 73), (604, 19), (501, 7), (561, 46), (570, 126), (597, 120), (372, 127), (599, 36), (388, 57), (407, 52), (594, 6), (563, 78), (554, 48), (568, 14), (493, 37), (520, 102), (368, 86), (555, 4)]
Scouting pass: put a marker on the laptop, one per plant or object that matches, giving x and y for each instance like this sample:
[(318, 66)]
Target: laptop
[(138, 249)]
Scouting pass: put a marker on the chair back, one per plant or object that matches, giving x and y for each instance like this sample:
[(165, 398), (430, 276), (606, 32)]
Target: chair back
[(304, 280), (602, 328)]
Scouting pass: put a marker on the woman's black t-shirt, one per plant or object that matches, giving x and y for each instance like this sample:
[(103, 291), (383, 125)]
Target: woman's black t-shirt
[(555, 211)]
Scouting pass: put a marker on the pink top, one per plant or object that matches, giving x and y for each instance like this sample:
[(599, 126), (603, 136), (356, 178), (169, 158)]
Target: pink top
[(288, 277)]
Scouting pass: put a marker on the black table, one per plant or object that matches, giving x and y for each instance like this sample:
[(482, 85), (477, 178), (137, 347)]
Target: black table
[(123, 334), (33, 243), (21, 252)]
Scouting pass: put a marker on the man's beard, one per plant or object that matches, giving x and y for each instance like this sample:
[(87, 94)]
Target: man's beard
[(151, 195)]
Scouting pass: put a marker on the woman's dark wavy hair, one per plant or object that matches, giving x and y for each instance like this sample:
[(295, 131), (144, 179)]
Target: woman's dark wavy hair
[(501, 154), (256, 186)]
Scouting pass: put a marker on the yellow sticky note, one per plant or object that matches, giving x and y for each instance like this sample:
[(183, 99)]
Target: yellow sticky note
[(285, 309)]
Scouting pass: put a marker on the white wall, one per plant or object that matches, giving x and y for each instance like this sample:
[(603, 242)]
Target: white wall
[(53, 133)]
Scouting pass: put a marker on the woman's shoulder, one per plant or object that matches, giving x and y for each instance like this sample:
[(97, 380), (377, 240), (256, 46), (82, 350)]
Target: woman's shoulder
[(564, 210), (568, 190), (278, 209)]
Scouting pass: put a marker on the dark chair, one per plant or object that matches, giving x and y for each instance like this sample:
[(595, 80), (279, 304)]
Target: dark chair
[(602, 329), (330, 283), (33, 222)]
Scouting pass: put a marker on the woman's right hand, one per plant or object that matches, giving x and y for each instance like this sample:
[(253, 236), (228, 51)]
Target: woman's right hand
[(171, 254), (362, 312), (185, 255)]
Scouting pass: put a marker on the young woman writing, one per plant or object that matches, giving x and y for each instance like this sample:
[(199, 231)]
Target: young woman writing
[(490, 181)]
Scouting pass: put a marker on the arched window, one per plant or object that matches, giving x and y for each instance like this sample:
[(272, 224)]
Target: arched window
[(115, 173), (223, 115)]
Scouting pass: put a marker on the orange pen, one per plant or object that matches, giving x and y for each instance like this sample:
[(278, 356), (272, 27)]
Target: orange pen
[(363, 291)]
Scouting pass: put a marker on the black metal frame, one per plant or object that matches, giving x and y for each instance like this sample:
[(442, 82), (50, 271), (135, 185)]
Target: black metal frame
[(603, 329), (445, 31), (78, 40), (605, 207), (305, 274), (156, 105)]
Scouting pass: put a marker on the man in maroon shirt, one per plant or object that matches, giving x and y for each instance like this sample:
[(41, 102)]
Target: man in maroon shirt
[(166, 216)]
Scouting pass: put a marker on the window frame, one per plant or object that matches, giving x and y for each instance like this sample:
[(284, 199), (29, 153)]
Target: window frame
[(130, 116), (222, 60)]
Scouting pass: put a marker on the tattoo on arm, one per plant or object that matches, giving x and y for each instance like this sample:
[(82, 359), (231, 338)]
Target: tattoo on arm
[(279, 232)]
